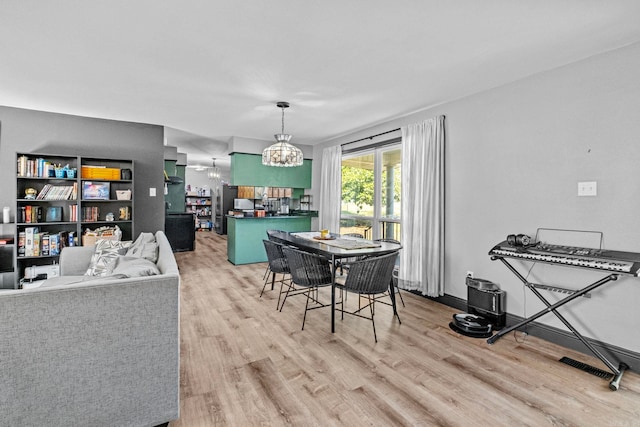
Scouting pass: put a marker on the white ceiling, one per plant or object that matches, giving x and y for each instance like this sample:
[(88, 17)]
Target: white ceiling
[(212, 69)]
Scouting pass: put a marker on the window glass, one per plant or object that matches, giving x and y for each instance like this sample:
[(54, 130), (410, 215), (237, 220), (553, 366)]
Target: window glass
[(371, 193), (358, 185)]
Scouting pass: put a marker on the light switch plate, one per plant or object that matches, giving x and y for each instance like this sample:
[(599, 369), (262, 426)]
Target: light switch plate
[(152, 192), (588, 188)]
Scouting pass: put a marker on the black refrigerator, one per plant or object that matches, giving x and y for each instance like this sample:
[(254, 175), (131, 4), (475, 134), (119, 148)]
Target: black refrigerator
[(224, 204)]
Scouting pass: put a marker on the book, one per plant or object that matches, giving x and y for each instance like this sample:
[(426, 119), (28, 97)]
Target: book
[(21, 243), (36, 244), (54, 244), (27, 214), (44, 244), (30, 232)]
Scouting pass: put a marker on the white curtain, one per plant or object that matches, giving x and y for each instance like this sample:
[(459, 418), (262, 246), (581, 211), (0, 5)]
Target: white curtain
[(331, 189), (422, 261)]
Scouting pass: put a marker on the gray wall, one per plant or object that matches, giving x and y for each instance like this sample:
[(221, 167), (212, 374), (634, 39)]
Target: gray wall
[(50, 133), (514, 156)]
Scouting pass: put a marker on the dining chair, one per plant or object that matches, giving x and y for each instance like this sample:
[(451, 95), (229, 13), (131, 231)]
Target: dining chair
[(394, 277), (370, 277), (270, 234), (277, 264), (309, 272)]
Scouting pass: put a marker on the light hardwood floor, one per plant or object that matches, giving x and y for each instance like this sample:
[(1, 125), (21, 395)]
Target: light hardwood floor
[(245, 364)]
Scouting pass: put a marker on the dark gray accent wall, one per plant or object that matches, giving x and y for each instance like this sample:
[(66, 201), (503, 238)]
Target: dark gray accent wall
[(51, 133)]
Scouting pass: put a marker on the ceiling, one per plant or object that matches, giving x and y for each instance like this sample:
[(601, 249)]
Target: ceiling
[(212, 69)]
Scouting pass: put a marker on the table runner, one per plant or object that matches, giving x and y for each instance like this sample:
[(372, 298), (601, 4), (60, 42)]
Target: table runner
[(339, 242)]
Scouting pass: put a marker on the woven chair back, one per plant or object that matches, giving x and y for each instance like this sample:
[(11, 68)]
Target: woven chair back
[(371, 275)]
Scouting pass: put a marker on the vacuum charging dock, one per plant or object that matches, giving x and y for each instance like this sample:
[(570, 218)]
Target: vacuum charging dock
[(486, 309)]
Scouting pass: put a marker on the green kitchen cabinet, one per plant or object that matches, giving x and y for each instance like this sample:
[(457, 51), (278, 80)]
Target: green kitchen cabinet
[(247, 169), (245, 235)]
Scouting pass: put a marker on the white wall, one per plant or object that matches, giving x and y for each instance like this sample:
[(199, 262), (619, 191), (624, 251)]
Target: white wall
[(514, 156)]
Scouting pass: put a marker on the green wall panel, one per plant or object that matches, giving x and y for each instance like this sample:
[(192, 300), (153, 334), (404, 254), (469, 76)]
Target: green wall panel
[(247, 169), (175, 192)]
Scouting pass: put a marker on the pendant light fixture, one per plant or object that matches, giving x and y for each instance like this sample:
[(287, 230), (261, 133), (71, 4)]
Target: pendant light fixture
[(214, 172), (282, 154)]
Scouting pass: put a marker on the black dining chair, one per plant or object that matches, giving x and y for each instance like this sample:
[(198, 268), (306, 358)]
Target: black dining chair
[(394, 277), (370, 277), (277, 265), (270, 234), (309, 272)]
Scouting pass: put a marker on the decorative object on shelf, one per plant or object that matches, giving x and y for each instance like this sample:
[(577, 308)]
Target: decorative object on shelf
[(6, 214), (124, 213), (95, 190), (30, 193), (109, 217), (282, 154), (123, 194), (214, 172), (54, 214)]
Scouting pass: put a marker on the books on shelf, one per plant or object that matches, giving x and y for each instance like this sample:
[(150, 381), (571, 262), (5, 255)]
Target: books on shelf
[(32, 242), (58, 192), (90, 214)]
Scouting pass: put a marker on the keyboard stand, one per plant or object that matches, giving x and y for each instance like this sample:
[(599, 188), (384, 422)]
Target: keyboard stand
[(617, 372)]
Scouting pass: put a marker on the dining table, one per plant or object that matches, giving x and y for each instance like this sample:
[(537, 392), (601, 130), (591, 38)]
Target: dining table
[(335, 247)]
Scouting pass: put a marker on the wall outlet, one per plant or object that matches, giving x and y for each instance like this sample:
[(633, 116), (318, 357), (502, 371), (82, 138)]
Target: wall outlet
[(588, 188), (470, 274)]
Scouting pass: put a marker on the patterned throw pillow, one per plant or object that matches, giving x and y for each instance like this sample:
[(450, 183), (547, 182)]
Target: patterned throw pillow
[(105, 255)]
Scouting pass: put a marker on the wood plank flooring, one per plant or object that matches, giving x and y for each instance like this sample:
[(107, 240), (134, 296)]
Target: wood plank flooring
[(245, 364)]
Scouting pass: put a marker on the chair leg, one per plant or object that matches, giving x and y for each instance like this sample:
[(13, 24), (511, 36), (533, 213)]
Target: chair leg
[(372, 310), (400, 295), (266, 277), (306, 307), (285, 298), (280, 293), (395, 309)]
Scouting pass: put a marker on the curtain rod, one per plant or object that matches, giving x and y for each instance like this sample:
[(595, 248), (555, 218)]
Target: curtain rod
[(370, 137)]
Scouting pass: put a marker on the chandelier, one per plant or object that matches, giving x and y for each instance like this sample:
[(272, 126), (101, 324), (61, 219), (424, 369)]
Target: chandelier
[(214, 172), (282, 154)]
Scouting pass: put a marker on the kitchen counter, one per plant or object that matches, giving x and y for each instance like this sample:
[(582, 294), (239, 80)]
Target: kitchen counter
[(274, 216), (292, 214), (245, 234)]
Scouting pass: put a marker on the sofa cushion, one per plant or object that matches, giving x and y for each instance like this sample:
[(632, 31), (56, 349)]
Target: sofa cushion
[(133, 266), (103, 259), (145, 246)]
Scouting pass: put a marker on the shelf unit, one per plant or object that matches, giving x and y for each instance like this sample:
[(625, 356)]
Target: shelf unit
[(305, 202), (201, 207), (117, 177), (61, 212), (7, 255)]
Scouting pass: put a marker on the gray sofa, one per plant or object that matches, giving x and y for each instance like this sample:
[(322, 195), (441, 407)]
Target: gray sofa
[(101, 352)]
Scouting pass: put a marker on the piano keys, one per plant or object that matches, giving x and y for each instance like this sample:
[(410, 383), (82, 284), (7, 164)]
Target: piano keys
[(598, 259)]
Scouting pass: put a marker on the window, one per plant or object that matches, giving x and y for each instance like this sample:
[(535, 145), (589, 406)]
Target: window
[(371, 189)]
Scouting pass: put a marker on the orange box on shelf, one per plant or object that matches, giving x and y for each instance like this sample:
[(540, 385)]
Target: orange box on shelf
[(91, 172)]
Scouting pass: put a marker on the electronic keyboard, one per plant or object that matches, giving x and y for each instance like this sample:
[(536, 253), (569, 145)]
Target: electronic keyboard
[(597, 259)]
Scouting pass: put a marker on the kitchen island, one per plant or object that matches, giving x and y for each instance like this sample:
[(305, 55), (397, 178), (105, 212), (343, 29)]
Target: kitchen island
[(245, 234)]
